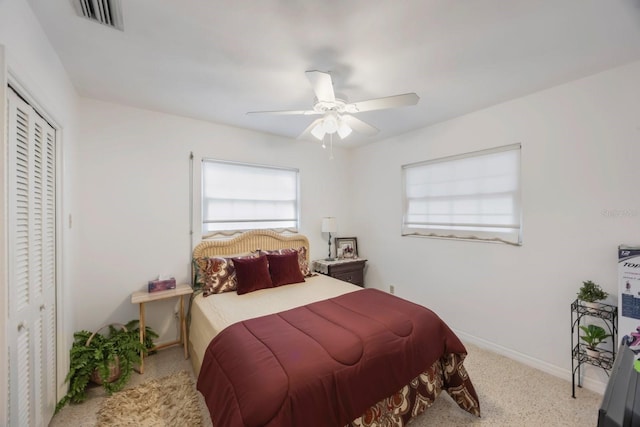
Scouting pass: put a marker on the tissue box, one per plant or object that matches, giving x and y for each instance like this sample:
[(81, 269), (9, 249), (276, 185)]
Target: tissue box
[(162, 285)]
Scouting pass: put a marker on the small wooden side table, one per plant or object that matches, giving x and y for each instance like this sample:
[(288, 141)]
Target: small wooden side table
[(349, 270), (142, 297)]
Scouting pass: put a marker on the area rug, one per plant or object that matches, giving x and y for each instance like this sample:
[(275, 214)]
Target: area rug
[(168, 401)]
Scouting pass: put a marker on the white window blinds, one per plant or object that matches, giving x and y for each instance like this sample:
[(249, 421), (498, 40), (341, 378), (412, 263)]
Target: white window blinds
[(470, 196), (244, 197)]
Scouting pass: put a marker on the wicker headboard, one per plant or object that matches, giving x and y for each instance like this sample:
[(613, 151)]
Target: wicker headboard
[(249, 242)]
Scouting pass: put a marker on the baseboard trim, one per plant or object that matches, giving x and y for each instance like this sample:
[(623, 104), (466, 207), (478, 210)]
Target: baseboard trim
[(588, 383)]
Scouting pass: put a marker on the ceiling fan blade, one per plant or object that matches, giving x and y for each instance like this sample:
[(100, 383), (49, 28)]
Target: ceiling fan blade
[(383, 103), (322, 85), (306, 134), (359, 126), (286, 112)]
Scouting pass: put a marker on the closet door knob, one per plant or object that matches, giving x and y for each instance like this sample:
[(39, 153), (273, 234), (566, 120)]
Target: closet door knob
[(20, 326)]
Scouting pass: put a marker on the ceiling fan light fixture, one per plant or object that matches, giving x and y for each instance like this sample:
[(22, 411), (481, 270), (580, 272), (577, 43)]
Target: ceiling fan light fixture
[(330, 123), (344, 130), (318, 131), (335, 112)]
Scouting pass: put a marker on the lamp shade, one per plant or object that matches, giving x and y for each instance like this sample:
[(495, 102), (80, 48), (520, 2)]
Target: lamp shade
[(343, 130), (330, 123), (318, 131), (329, 224)]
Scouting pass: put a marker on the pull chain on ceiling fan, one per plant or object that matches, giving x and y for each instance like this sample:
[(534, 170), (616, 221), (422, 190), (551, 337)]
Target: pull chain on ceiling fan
[(337, 114)]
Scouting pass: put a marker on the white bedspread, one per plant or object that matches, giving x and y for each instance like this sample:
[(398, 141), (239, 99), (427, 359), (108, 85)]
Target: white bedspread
[(212, 314)]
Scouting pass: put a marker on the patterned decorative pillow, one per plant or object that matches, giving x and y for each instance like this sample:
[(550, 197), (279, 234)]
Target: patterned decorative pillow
[(215, 275), (302, 258)]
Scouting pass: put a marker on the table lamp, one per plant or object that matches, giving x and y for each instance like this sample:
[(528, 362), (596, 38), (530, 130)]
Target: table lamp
[(329, 225)]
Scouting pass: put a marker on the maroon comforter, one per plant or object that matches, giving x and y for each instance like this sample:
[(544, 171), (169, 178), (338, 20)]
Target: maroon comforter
[(323, 364)]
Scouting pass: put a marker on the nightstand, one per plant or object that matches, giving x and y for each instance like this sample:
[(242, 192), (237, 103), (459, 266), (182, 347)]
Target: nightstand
[(143, 297), (349, 270)]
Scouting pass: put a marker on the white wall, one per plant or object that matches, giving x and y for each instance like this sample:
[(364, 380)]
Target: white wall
[(32, 64), (134, 201), (580, 154)]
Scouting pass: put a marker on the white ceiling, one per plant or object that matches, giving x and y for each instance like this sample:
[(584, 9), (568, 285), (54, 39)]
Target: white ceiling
[(216, 60)]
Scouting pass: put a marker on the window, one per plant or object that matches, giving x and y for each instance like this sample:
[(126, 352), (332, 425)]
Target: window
[(239, 196), (470, 196)]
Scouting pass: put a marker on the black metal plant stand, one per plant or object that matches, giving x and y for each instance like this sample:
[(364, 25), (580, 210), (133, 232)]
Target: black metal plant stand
[(609, 314)]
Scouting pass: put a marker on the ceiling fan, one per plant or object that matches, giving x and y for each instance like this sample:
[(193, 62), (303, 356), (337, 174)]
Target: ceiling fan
[(337, 113)]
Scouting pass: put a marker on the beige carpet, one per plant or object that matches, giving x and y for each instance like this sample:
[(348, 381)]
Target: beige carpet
[(511, 394), (168, 401)]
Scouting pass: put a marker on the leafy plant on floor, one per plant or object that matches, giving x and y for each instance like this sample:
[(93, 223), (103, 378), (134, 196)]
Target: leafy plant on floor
[(102, 356)]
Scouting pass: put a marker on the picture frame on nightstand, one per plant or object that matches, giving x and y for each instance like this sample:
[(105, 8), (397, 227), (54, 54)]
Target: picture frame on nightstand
[(346, 247)]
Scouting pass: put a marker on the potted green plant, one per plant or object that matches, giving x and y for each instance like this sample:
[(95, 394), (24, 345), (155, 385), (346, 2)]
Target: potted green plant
[(107, 359), (590, 293), (594, 335)]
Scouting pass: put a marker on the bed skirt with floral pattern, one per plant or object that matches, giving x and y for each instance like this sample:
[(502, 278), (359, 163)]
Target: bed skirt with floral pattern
[(413, 399)]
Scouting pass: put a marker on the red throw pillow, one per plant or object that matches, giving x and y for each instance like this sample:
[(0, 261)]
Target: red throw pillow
[(302, 258), (252, 274), (284, 269)]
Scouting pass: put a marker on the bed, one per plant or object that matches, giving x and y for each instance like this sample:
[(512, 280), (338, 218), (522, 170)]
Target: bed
[(320, 352)]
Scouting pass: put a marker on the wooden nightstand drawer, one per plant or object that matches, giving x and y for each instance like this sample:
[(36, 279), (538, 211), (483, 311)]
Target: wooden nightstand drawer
[(346, 267), (356, 277), (351, 271)]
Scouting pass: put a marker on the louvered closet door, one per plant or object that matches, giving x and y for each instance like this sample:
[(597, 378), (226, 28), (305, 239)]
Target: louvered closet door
[(32, 266)]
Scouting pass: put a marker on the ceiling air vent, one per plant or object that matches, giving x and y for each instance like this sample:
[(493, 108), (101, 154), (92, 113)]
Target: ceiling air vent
[(106, 12)]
